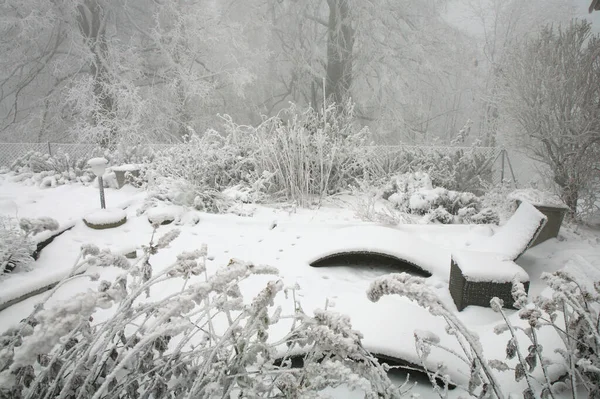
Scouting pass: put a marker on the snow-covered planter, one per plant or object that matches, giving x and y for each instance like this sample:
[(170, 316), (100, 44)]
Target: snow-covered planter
[(549, 204), (105, 219), (477, 277), (128, 173)]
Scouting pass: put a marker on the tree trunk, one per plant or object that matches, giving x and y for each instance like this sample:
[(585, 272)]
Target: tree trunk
[(569, 188), (92, 20), (340, 43)]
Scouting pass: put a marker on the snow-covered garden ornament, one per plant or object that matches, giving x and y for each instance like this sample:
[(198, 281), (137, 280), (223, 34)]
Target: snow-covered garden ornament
[(98, 166), (103, 218)]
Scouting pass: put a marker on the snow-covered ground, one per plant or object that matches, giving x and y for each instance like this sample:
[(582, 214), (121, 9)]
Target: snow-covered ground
[(287, 238)]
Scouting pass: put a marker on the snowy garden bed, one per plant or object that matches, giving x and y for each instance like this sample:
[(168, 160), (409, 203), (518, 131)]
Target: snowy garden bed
[(282, 238)]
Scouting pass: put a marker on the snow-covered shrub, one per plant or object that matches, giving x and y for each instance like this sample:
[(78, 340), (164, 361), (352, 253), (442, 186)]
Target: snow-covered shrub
[(414, 193), (195, 172), (310, 156), (16, 245), (127, 153), (204, 340), (455, 168), (51, 170), (439, 215), (572, 312)]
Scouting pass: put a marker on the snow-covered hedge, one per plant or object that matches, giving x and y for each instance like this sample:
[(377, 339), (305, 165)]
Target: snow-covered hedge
[(455, 168), (50, 171), (295, 156), (195, 172), (414, 193)]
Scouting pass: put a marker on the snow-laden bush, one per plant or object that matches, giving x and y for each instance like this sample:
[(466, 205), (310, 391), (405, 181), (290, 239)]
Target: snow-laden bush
[(195, 172), (50, 171), (310, 156), (296, 156), (455, 168), (127, 153), (202, 341), (572, 311), (16, 244), (414, 193)]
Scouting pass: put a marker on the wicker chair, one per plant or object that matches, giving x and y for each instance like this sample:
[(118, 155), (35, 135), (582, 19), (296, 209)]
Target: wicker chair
[(477, 277)]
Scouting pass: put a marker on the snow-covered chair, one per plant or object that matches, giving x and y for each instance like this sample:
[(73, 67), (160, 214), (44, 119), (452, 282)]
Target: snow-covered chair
[(509, 242), (477, 277), (516, 235)]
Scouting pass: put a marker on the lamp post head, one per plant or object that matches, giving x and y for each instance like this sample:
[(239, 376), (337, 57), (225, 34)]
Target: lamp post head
[(98, 165)]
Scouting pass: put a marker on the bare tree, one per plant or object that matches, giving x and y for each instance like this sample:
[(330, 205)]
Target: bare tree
[(394, 58), (552, 91), (108, 70), (503, 23)]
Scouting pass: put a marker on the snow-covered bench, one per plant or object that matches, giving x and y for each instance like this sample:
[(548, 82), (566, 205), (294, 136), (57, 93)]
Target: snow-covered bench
[(510, 241), (477, 277)]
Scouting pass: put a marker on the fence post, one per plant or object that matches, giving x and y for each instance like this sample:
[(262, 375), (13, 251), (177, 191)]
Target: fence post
[(502, 167), (512, 173), (49, 149)]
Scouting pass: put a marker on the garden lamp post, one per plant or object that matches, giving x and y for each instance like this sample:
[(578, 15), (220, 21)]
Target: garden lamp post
[(98, 166)]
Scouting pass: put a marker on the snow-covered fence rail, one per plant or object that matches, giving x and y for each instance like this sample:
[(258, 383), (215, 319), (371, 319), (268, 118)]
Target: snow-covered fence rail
[(10, 152)]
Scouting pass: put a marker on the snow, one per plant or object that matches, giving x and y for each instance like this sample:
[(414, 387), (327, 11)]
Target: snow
[(514, 236), (289, 239), (537, 197), (105, 216), (162, 213), (130, 167), (97, 162), (487, 266), (378, 239)]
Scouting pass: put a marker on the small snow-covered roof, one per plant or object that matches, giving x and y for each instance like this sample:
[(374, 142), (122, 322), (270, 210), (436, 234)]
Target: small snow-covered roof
[(487, 266)]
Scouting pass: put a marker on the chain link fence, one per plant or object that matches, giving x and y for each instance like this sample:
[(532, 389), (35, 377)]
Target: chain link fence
[(490, 164)]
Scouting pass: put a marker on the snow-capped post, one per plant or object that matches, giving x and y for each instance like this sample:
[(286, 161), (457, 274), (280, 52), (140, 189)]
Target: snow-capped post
[(98, 166)]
